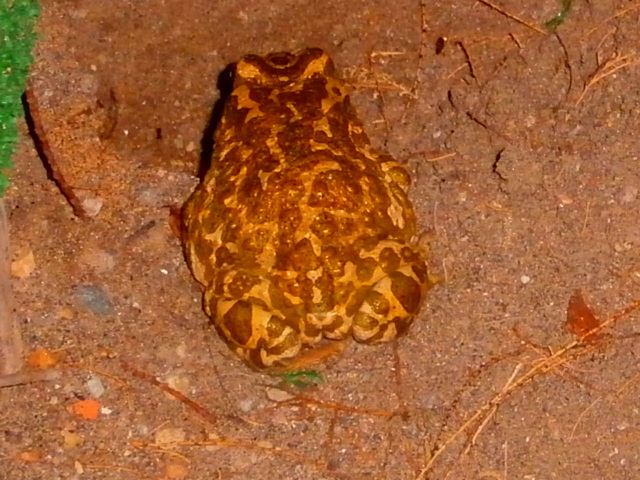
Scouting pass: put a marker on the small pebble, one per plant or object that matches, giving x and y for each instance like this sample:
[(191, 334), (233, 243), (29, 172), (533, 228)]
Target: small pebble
[(246, 405), (278, 395), (92, 206), (621, 247), (94, 298), (71, 439), (181, 350), (623, 426), (24, 265), (628, 194), (180, 383), (152, 197), (564, 199), (95, 387), (97, 259), (524, 279)]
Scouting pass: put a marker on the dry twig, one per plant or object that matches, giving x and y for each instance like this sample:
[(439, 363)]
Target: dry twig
[(569, 352), (444, 156), (512, 16), (119, 468), (468, 61), (363, 78), (415, 88), (609, 67), (199, 409), (10, 339), (28, 376), (621, 13), (304, 400), (224, 443)]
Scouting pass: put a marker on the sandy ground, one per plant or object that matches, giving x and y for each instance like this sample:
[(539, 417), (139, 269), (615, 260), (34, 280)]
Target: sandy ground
[(523, 146)]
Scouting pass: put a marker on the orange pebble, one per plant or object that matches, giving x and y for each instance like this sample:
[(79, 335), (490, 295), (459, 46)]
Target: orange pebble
[(88, 409)]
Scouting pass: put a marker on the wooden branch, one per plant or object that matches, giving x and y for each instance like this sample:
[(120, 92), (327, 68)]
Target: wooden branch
[(10, 339)]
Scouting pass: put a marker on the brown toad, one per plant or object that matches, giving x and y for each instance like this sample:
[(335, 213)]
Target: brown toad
[(300, 231)]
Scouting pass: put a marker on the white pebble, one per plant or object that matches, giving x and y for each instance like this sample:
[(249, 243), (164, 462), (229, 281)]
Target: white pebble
[(278, 395), (246, 405), (95, 387)]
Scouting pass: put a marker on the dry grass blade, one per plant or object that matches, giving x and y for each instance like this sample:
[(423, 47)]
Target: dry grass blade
[(607, 68), (621, 13), (119, 468), (581, 416), (467, 57), (512, 16), (363, 78), (415, 88), (223, 443), (304, 400), (441, 157), (552, 362)]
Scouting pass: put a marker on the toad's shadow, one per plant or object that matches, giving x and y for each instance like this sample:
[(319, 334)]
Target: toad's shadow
[(225, 85)]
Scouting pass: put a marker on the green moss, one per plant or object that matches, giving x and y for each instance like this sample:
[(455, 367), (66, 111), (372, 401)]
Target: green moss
[(17, 19)]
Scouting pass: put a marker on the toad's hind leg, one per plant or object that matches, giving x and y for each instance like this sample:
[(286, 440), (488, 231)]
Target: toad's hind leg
[(388, 306), (256, 334)]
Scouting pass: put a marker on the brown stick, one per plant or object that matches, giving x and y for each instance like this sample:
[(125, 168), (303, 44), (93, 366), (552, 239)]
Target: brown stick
[(28, 376), (10, 340)]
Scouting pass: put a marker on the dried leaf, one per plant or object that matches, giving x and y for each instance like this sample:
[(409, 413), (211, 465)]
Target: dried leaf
[(580, 318)]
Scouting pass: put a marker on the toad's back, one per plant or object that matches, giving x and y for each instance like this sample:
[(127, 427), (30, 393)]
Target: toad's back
[(299, 230)]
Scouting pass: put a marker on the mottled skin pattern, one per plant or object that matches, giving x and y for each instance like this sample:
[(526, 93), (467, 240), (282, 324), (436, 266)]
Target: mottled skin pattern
[(300, 230)]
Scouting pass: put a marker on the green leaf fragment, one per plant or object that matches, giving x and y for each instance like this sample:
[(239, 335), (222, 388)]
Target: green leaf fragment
[(561, 16), (302, 378)]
